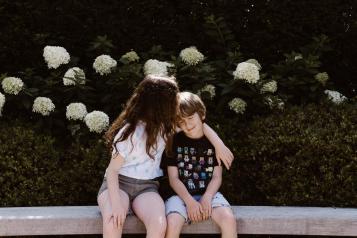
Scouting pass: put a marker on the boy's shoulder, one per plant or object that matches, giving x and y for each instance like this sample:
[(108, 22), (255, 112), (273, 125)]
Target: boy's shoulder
[(179, 135), (182, 138)]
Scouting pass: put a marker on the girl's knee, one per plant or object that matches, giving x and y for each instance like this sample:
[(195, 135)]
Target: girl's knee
[(156, 227), (158, 224), (109, 228)]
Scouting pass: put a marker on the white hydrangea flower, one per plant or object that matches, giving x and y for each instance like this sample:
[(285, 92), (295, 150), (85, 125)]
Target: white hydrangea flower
[(322, 77), (191, 56), (43, 106), (2, 102), (156, 67), (97, 121), (247, 71), (269, 87), (280, 104), (298, 57), (73, 76), (255, 62), (55, 56), (76, 111), (104, 64), (274, 102), (130, 56), (12, 85), (210, 89), (238, 105), (335, 96)]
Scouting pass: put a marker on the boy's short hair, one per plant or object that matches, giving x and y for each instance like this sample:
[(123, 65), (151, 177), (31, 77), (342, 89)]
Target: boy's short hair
[(189, 104)]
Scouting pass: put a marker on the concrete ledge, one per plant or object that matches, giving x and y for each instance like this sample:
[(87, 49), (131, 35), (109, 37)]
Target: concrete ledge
[(21, 221)]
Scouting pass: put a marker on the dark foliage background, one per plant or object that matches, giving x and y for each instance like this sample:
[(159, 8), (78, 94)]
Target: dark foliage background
[(265, 29), (302, 157)]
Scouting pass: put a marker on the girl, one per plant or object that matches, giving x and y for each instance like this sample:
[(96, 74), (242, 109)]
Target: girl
[(137, 139)]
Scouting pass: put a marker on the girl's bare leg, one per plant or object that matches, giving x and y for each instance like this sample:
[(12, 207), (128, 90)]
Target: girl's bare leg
[(150, 209), (226, 221), (175, 223), (109, 231)]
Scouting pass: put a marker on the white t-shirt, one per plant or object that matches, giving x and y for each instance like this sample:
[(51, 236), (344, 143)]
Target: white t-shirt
[(137, 163)]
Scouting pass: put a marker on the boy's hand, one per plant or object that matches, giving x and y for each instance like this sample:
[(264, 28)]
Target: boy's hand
[(194, 210), (223, 154), (206, 203)]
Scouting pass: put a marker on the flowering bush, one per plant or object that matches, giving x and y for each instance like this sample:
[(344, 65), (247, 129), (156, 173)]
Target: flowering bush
[(298, 75), (156, 67), (104, 64), (74, 76), (12, 85), (228, 83), (43, 106), (76, 111), (209, 90), (322, 78), (269, 87), (2, 102), (97, 121), (129, 57), (255, 62), (238, 105), (335, 96), (55, 56), (191, 56), (247, 71)]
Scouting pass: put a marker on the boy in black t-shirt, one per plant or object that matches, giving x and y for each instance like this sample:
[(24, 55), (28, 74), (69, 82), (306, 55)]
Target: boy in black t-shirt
[(194, 174)]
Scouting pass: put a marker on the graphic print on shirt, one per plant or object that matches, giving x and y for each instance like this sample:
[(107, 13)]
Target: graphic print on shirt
[(195, 167)]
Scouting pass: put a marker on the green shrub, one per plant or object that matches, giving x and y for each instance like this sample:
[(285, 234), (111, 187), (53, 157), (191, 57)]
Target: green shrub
[(304, 156), (35, 170), (28, 164), (82, 172)]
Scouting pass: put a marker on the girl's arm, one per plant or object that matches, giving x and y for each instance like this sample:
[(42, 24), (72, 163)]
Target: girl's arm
[(119, 214), (193, 207), (211, 190), (223, 154)]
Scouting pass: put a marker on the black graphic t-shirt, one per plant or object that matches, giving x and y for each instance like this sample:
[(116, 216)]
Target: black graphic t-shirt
[(195, 160)]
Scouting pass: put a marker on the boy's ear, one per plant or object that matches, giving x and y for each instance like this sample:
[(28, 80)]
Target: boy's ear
[(203, 118)]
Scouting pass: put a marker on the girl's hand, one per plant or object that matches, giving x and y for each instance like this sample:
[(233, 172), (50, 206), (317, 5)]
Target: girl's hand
[(194, 210), (119, 215), (223, 154), (206, 203)]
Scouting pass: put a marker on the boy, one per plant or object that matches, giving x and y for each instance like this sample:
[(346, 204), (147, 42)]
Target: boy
[(194, 174)]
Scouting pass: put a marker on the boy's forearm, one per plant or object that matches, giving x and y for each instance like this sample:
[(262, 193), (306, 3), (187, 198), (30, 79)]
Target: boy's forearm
[(181, 190), (213, 186)]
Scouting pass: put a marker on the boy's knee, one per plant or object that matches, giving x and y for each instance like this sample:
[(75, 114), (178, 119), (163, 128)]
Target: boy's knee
[(229, 218), (175, 221), (224, 216)]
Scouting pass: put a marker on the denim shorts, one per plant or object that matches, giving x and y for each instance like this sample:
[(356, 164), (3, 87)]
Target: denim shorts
[(133, 187), (176, 205)]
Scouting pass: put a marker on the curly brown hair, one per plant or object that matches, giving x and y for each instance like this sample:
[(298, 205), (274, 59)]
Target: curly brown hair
[(153, 102)]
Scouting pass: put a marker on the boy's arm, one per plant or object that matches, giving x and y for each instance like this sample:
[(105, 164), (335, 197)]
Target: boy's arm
[(193, 207), (222, 152), (211, 190)]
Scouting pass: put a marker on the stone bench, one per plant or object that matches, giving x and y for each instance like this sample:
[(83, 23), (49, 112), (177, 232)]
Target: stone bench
[(21, 221)]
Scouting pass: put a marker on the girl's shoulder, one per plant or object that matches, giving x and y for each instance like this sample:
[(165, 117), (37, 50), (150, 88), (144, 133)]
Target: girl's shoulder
[(138, 131)]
